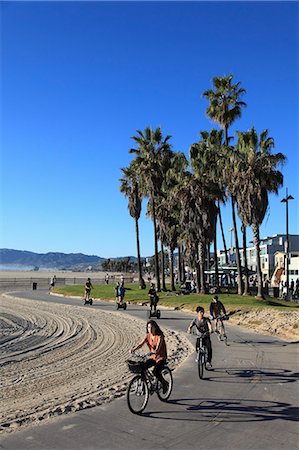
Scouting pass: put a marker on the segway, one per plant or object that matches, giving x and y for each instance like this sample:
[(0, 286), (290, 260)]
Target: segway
[(120, 305), (88, 301), (154, 313)]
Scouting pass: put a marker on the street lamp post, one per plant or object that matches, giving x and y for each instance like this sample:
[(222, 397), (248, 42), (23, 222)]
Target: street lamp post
[(286, 201)]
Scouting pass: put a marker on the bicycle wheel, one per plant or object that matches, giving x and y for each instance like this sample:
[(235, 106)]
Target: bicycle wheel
[(137, 395), (201, 363), (167, 375)]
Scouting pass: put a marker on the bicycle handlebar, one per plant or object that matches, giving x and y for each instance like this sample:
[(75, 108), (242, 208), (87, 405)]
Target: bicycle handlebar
[(139, 355), (225, 317), (202, 335)]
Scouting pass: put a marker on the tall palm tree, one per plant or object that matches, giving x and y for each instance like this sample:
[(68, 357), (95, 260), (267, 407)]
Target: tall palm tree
[(246, 280), (152, 149), (256, 175), (130, 188), (224, 108), (198, 217), (206, 162)]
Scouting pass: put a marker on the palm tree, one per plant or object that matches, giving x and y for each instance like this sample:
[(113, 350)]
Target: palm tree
[(224, 108), (151, 152), (256, 175), (206, 162), (131, 189), (246, 281), (198, 217)]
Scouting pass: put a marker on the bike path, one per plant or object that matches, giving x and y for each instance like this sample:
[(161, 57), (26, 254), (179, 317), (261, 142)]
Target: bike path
[(247, 402)]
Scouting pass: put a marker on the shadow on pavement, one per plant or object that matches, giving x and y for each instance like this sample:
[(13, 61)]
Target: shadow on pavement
[(227, 411), (266, 376)]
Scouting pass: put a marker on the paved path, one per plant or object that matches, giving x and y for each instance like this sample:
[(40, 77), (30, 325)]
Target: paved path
[(247, 402)]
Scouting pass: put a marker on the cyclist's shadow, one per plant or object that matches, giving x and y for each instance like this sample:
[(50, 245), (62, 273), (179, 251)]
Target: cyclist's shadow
[(229, 410)]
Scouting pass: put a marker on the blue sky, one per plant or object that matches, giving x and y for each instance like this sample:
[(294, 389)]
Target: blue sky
[(77, 80)]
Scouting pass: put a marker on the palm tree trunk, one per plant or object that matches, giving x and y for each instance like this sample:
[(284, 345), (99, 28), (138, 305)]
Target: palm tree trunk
[(201, 249), (157, 274), (183, 277), (256, 239), (171, 269), (246, 284), (198, 285), (141, 280), (180, 262), (222, 233), (163, 268), (215, 257), (240, 283)]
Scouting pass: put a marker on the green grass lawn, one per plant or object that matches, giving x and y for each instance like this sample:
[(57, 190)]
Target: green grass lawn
[(232, 302)]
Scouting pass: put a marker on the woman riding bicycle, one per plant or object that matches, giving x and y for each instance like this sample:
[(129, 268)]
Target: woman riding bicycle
[(154, 339)]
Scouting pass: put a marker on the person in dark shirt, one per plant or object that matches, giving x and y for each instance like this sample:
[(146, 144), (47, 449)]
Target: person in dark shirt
[(153, 297), (119, 293), (217, 309), (88, 288), (203, 325)]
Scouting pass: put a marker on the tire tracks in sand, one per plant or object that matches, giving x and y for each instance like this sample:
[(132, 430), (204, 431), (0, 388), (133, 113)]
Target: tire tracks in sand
[(56, 359)]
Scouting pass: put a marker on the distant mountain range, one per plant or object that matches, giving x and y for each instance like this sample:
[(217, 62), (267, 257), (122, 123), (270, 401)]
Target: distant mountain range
[(52, 260)]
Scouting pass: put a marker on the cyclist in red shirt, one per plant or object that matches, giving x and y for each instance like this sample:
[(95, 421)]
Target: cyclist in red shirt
[(154, 339)]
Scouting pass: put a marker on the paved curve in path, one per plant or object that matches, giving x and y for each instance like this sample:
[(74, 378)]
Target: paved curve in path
[(247, 402)]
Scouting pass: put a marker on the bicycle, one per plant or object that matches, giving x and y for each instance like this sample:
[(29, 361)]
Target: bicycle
[(144, 384), (202, 354), (218, 330)]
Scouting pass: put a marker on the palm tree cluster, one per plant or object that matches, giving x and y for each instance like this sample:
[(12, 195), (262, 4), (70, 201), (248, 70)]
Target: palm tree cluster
[(185, 197), (119, 265)]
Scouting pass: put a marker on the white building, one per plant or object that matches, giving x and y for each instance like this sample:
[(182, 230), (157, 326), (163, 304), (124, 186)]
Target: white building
[(269, 246)]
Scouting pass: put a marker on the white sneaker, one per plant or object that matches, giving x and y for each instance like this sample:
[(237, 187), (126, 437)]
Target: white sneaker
[(208, 366)]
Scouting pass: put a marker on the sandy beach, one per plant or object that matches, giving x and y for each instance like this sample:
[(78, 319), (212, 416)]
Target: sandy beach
[(58, 359)]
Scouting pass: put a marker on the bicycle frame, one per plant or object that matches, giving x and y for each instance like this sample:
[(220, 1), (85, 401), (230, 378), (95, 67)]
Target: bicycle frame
[(144, 384), (218, 330)]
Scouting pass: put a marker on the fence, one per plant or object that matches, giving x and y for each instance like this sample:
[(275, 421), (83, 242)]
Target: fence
[(43, 283)]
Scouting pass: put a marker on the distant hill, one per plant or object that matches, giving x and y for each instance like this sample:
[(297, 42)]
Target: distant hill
[(51, 260)]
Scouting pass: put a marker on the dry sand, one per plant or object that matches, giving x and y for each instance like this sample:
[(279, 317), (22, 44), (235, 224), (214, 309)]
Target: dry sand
[(282, 324), (56, 359)]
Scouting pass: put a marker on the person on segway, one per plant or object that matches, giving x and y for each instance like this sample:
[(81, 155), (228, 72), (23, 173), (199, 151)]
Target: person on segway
[(119, 293), (88, 288), (153, 297)]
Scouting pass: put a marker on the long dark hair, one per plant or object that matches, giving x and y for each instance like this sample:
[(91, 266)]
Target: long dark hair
[(154, 324)]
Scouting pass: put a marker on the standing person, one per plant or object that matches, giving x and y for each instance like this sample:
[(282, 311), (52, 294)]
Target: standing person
[(119, 293), (203, 325), (88, 288), (292, 286), (107, 278), (216, 309), (154, 339), (52, 282), (122, 280), (153, 297)]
